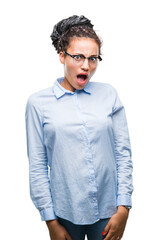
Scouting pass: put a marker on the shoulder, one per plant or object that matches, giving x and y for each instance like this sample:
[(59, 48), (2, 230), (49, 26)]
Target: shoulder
[(103, 87), (37, 98), (37, 101)]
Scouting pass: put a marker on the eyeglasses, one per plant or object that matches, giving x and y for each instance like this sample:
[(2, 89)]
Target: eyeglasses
[(80, 58)]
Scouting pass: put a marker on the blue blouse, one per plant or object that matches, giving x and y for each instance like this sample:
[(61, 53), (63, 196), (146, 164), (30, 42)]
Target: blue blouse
[(79, 152)]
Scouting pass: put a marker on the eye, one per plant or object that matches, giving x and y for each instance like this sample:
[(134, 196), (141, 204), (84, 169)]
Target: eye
[(78, 57), (93, 59)]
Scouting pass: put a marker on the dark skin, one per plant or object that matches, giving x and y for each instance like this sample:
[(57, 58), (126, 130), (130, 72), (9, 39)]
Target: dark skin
[(86, 46), (116, 225), (57, 231), (114, 229)]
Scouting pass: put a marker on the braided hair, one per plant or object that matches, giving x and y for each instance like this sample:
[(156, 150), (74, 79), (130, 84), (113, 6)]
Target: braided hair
[(74, 26)]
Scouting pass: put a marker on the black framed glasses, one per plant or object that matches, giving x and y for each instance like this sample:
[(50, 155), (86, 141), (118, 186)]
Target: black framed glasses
[(79, 59)]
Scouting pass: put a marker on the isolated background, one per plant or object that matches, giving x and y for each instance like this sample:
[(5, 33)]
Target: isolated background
[(29, 63)]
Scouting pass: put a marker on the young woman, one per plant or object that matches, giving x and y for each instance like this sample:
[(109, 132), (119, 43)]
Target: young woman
[(78, 144)]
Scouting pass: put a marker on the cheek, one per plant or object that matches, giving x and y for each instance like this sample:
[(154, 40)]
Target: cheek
[(70, 69), (93, 70)]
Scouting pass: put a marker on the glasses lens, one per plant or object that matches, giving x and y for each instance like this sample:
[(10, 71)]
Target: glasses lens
[(81, 61), (78, 59), (93, 61)]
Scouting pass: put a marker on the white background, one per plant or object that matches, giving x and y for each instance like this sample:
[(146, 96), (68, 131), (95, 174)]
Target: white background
[(28, 63)]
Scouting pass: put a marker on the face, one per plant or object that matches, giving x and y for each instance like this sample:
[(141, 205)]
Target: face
[(73, 74)]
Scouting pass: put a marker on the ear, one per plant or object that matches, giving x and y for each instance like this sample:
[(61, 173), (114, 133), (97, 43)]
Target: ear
[(62, 57)]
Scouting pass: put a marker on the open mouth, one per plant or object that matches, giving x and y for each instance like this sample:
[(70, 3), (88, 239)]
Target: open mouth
[(82, 77)]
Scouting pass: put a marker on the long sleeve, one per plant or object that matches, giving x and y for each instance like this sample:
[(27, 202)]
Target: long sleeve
[(38, 163), (123, 154), (79, 152)]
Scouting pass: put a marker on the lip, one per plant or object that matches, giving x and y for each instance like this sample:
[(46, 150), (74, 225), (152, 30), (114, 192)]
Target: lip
[(86, 74), (82, 82)]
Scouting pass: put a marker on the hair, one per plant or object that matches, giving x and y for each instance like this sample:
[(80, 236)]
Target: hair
[(74, 26)]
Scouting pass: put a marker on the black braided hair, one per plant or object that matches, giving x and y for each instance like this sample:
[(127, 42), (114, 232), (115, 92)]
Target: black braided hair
[(74, 26)]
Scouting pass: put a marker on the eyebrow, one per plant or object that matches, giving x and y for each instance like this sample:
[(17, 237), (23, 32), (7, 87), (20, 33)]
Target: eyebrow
[(93, 55)]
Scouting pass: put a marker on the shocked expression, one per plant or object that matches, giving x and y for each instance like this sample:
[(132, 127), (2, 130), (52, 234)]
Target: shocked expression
[(80, 62)]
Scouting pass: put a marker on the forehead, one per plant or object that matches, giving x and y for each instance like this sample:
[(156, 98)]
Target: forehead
[(86, 46)]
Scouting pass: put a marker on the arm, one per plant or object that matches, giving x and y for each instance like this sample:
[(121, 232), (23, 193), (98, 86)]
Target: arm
[(116, 226), (123, 154), (38, 171), (57, 231), (38, 162)]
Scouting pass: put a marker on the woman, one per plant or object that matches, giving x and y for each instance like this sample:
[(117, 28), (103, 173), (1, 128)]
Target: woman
[(78, 144)]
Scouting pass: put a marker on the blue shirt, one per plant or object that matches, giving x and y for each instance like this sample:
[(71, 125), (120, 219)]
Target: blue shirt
[(78, 146)]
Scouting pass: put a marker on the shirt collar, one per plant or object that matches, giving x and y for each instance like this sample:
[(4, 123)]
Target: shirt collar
[(60, 91)]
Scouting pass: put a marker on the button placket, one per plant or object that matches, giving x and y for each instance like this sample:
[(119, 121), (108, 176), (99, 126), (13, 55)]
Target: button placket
[(89, 158)]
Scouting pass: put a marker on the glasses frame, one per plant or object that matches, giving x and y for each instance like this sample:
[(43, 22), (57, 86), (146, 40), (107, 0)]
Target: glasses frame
[(73, 56)]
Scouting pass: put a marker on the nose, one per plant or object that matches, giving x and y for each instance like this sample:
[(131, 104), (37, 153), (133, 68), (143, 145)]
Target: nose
[(85, 65)]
